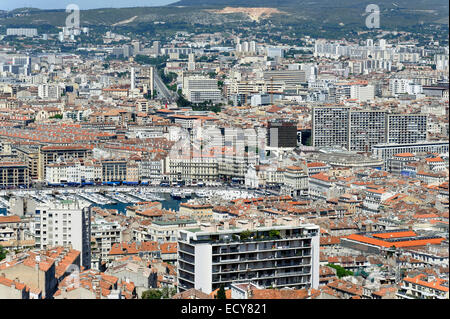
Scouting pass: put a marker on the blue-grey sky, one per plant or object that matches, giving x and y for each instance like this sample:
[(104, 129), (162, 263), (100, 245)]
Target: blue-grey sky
[(83, 4)]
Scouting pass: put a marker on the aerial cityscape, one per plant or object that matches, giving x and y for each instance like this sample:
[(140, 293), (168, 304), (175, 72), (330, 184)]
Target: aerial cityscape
[(214, 149)]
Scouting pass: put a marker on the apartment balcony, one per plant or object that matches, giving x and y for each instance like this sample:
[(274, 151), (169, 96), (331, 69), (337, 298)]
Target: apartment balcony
[(227, 260), (186, 276), (186, 268), (423, 293), (259, 249), (245, 268), (404, 295), (297, 273), (186, 259), (241, 242), (256, 259), (185, 282), (186, 251)]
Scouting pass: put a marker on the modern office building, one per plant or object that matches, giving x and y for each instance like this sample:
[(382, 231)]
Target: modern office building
[(114, 170), (275, 52), (198, 89), (270, 256), (282, 134), (167, 51), (289, 77)]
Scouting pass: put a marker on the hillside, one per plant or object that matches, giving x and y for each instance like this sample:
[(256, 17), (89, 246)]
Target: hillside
[(307, 4), (305, 16)]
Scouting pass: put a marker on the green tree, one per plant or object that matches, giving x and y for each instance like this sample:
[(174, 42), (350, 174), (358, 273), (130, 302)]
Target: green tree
[(152, 294), (274, 233), (2, 253), (221, 293), (245, 234), (340, 271), (167, 292), (308, 141), (182, 102)]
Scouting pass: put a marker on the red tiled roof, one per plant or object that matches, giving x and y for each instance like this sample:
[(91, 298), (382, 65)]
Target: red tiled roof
[(10, 219), (386, 244), (395, 234)]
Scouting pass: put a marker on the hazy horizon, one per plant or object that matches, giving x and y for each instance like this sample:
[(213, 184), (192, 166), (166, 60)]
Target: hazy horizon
[(83, 4)]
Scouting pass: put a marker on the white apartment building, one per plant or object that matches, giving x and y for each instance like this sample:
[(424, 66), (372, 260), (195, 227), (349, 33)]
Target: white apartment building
[(367, 128), (151, 168), (260, 176), (64, 223), (198, 89), (26, 32), (162, 231), (290, 78), (406, 128), (48, 91), (295, 181), (319, 186), (362, 93), (330, 126), (104, 235), (360, 130), (281, 256), (373, 200), (404, 86), (193, 169), (73, 172), (244, 87), (423, 286), (441, 61), (387, 150), (235, 166)]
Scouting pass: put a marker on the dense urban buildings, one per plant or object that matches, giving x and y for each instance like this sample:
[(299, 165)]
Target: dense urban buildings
[(253, 152)]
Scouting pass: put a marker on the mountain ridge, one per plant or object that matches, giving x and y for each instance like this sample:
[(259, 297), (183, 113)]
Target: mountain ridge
[(401, 14)]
